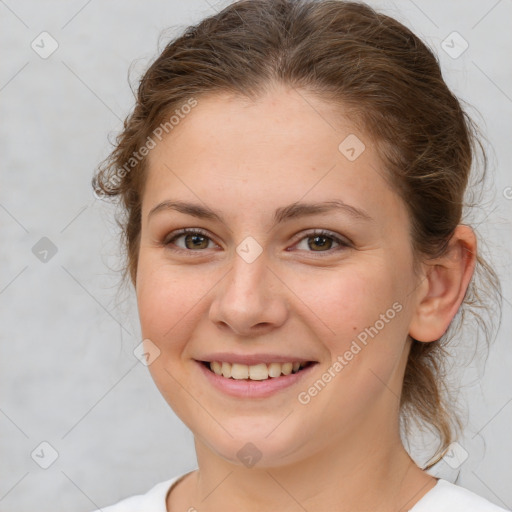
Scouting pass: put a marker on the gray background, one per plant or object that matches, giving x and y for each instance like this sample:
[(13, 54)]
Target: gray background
[(68, 373)]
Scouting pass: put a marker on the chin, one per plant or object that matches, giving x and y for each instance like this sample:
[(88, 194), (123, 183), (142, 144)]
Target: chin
[(256, 442)]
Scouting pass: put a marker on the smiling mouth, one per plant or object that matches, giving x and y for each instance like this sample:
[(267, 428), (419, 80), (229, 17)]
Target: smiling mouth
[(256, 372)]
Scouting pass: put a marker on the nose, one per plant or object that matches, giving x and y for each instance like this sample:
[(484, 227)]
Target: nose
[(250, 300)]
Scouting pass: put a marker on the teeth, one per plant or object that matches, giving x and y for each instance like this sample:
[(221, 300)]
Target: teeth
[(260, 371), (274, 369), (226, 370), (216, 367), (239, 371)]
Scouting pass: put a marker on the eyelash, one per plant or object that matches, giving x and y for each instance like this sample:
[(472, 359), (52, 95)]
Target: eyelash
[(168, 242)]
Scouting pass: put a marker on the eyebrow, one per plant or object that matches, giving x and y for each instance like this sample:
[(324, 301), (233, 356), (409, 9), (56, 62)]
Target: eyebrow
[(292, 211)]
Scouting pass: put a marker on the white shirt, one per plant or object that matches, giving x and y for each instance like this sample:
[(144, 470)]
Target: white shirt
[(443, 497)]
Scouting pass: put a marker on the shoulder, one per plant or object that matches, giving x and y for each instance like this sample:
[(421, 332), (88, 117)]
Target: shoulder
[(448, 497), (151, 501)]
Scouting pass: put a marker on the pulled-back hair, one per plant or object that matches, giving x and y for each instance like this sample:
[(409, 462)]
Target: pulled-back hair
[(389, 85)]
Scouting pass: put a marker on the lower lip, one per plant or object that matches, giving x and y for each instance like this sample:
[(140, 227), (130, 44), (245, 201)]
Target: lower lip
[(253, 388)]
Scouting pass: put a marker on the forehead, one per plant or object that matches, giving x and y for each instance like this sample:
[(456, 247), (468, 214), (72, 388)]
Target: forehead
[(284, 120), (285, 145)]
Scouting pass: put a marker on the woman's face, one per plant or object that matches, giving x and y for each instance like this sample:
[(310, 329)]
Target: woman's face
[(258, 287)]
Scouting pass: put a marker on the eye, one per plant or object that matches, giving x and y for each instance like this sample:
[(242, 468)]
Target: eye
[(321, 241), (193, 239), (196, 239)]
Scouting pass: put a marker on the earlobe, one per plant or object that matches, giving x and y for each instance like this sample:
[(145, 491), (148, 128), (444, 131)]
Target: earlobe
[(445, 283)]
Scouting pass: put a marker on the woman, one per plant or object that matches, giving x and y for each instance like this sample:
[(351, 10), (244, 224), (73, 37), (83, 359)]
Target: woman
[(293, 177)]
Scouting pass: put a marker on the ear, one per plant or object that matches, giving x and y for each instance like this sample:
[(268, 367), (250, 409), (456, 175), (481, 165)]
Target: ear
[(446, 280)]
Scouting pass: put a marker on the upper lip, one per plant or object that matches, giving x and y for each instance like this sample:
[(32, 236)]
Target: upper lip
[(252, 359)]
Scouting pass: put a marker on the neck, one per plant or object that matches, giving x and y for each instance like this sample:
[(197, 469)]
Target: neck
[(377, 475)]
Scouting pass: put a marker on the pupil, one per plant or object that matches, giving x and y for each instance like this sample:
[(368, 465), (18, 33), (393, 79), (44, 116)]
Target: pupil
[(195, 242), (320, 237)]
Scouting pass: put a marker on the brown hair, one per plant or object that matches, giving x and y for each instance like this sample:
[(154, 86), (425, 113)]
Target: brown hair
[(391, 86)]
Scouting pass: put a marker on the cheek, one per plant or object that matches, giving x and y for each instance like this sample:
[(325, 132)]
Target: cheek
[(343, 302), (166, 298), (366, 323), (361, 321)]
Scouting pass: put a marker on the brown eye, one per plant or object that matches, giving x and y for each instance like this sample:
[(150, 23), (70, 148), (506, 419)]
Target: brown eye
[(193, 240), (322, 241)]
